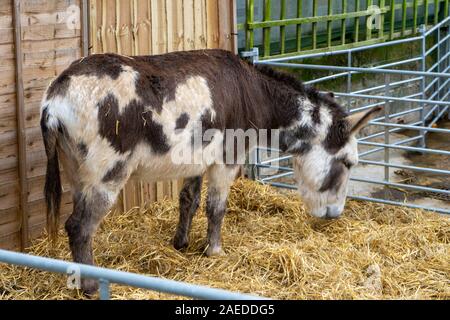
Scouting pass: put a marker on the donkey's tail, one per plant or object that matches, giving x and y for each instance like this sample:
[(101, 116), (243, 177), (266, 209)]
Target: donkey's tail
[(53, 189)]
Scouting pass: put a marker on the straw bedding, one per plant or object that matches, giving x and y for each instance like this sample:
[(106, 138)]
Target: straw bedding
[(273, 249)]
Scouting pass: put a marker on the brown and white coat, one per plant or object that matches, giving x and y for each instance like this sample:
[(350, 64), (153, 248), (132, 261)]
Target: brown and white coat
[(110, 117)]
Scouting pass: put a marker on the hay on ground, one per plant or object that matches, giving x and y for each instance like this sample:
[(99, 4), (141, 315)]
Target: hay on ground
[(273, 249)]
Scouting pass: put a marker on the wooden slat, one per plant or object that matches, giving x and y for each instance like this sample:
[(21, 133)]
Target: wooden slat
[(212, 17), (21, 137), (225, 26), (189, 33)]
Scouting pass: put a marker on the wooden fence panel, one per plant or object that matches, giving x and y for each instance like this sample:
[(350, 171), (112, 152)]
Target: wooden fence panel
[(143, 27), (46, 45), (36, 44)]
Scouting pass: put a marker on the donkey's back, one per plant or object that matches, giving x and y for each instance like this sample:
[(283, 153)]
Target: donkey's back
[(108, 117)]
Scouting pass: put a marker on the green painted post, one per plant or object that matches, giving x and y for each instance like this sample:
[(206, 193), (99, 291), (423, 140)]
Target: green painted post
[(314, 26), (357, 8), (436, 11), (343, 25), (425, 18), (299, 26), (250, 18), (446, 8), (404, 7), (283, 28), (392, 24), (381, 31), (266, 30), (368, 30), (415, 4), (329, 12)]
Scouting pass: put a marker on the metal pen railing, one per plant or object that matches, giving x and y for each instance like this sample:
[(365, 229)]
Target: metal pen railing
[(431, 103), (108, 276)]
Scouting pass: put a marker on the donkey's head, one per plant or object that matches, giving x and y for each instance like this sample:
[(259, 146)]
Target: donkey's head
[(323, 143)]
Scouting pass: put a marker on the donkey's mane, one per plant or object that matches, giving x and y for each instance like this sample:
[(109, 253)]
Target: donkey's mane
[(283, 77), (309, 91)]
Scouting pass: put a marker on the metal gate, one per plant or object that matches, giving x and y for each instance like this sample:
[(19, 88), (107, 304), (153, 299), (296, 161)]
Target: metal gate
[(415, 93)]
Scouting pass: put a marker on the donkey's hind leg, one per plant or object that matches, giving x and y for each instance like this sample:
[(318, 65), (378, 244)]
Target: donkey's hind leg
[(89, 208), (220, 178), (190, 197)]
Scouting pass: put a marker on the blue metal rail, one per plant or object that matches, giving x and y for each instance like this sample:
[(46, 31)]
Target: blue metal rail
[(108, 276)]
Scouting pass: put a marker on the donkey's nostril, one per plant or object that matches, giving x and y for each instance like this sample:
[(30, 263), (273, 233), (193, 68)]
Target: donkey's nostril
[(333, 212)]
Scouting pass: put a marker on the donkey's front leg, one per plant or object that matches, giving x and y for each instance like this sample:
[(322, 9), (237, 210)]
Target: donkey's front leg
[(220, 178), (89, 208), (190, 197)]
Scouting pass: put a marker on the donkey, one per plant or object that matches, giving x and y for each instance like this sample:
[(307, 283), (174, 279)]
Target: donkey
[(109, 118)]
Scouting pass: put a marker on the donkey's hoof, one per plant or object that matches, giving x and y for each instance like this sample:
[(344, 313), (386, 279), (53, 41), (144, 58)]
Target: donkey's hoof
[(180, 243), (214, 251), (89, 287)]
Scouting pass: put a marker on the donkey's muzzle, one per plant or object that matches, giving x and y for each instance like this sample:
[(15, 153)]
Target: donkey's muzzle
[(333, 212)]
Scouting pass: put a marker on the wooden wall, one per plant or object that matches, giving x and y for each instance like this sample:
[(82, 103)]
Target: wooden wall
[(46, 46), (142, 27)]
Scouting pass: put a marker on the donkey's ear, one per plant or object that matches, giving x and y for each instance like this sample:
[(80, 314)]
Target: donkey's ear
[(358, 120)]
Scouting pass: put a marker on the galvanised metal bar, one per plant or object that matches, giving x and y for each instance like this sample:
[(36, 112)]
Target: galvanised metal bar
[(338, 75), (363, 198), (382, 132), (276, 159), (401, 113), (369, 106), (436, 24), (402, 185), (438, 116), (416, 149), (397, 203), (277, 176), (405, 126), (423, 83), (436, 46), (393, 84), (357, 69), (432, 82), (120, 277), (104, 289), (375, 150), (401, 99), (386, 110), (266, 166), (401, 166)]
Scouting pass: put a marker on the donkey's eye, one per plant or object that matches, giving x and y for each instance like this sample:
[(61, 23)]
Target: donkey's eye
[(347, 164)]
